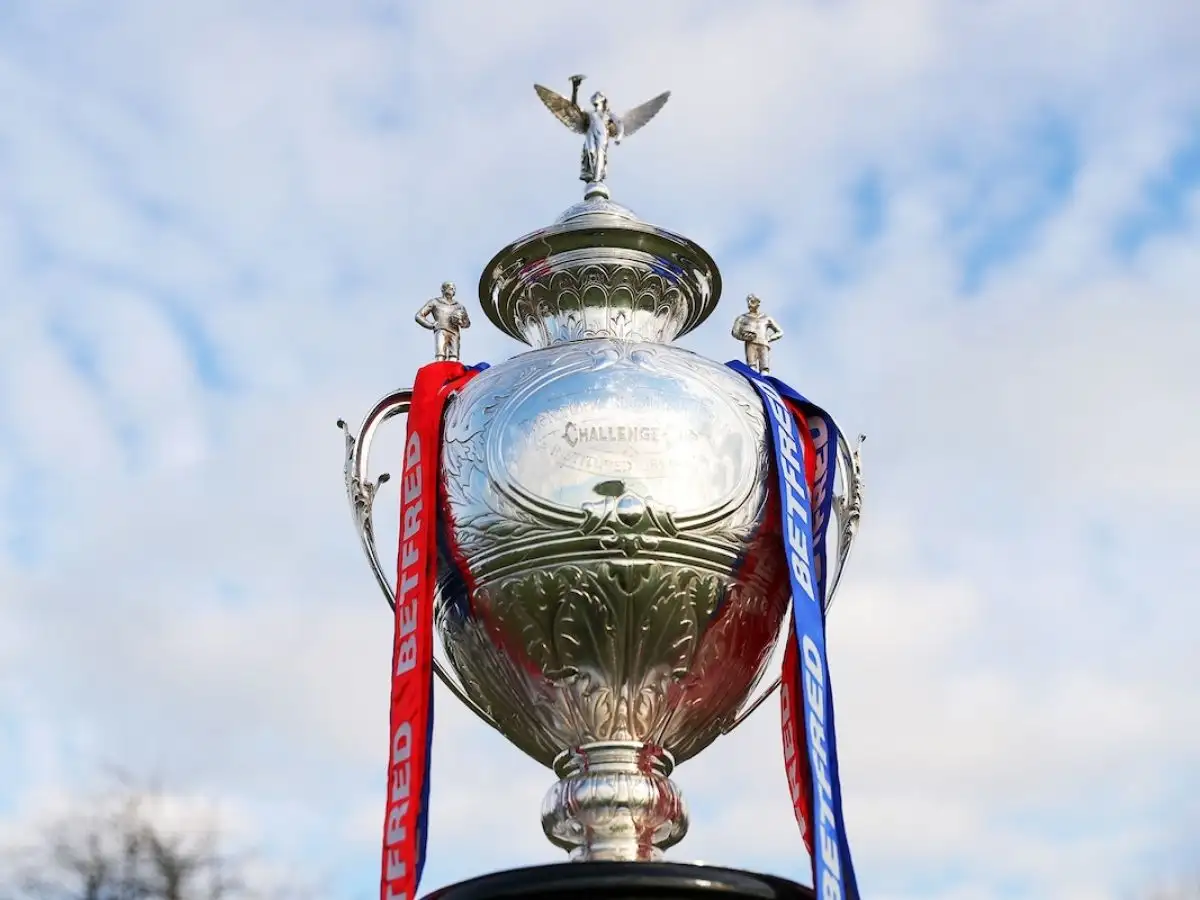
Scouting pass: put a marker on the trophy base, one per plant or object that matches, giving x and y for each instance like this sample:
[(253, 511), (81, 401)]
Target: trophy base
[(623, 881)]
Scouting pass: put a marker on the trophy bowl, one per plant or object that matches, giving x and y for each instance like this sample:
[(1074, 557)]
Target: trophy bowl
[(602, 594), (606, 592)]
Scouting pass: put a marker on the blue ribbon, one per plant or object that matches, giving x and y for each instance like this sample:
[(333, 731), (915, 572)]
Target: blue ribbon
[(806, 550)]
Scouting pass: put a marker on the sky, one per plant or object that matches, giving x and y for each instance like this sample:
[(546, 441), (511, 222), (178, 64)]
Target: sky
[(977, 222)]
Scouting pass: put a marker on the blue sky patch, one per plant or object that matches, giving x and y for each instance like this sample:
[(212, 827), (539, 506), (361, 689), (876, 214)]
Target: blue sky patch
[(1012, 199), (1164, 200)]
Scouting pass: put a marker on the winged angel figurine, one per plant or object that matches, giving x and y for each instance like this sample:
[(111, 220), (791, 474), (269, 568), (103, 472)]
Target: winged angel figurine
[(597, 125)]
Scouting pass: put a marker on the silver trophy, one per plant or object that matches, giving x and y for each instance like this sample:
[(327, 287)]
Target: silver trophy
[(612, 588)]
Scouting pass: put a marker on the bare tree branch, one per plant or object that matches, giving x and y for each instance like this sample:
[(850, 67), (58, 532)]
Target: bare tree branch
[(118, 850)]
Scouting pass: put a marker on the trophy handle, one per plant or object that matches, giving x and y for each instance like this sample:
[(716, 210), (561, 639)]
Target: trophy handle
[(847, 506), (361, 491)]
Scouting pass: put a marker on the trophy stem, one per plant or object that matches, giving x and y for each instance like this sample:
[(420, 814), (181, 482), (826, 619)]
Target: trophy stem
[(614, 802)]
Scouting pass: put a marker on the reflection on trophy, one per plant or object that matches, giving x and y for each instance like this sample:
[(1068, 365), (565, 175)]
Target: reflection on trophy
[(612, 585)]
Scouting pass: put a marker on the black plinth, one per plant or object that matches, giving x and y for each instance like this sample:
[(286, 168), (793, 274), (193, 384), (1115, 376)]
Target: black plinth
[(623, 881)]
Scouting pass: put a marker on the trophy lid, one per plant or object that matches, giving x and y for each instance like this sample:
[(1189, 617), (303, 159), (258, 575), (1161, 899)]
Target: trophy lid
[(599, 270)]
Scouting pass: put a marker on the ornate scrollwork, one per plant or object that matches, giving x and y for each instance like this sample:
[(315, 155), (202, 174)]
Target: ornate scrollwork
[(360, 491), (621, 651), (611, 639), (497, 504), (481, 515), (611, 569), (620, 300), (624, 512)]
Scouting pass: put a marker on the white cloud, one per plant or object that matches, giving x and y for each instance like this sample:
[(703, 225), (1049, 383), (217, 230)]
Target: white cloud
[(277, 189)]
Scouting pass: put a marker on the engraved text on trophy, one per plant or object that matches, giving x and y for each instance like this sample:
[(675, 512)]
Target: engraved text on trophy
[(633, 433)]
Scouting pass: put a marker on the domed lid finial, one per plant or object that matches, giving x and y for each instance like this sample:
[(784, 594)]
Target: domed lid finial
[(598, 125), (599, 270)]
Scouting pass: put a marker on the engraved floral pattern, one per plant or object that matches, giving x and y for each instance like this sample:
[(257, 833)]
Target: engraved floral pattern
[(617, 618), (618, 300), (616, 651)]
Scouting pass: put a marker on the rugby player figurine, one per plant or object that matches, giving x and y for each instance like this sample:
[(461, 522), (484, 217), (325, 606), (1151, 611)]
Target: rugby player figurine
[(446, 318), (757, 331)]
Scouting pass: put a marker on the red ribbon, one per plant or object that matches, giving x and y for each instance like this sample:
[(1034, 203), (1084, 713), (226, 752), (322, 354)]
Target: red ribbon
[(405, 826), (791, 701)]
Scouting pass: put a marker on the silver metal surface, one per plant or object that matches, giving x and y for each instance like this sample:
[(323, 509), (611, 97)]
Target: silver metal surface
[(598, 125), (757, 331), (614, 802), (446, 318), (599, 271), (627, 792), (611, 583), (608, 503), (361, 489), (847, 506)]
